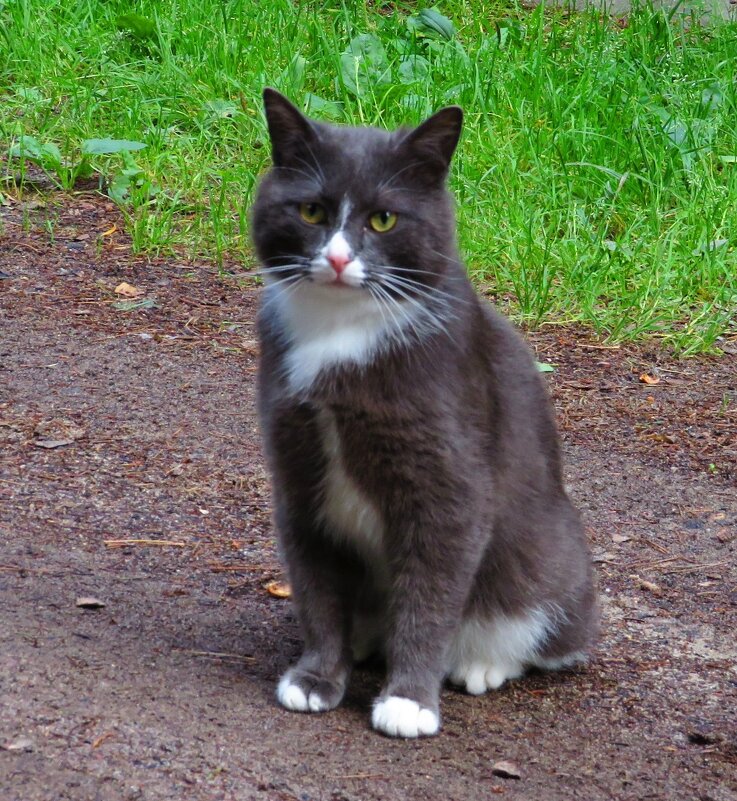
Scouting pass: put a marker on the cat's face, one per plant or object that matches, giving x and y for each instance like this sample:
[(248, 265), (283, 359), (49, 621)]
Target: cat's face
[(356, 209)]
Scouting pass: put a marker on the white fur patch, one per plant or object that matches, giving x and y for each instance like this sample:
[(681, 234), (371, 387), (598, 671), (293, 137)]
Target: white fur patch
[(403, 717), (486, 653), (337, 248), (347, 511), (352, 274), (328, 325), (291, 696)]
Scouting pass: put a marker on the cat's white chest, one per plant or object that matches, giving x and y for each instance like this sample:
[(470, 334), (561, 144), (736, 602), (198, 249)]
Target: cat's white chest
[(348, 514), (326, 327)]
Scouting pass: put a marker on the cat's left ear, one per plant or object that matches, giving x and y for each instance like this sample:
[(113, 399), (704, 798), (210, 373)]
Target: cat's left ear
[(436, 139), (291, 132)]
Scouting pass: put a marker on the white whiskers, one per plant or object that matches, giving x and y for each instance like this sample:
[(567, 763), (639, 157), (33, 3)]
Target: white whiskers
[(287, 287), (419, 308)]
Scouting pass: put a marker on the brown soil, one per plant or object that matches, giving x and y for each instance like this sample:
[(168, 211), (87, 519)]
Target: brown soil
[(139, 425)]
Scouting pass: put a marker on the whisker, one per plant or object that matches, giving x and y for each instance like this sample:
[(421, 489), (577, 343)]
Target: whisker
[(433, 316), (388, 182), (315, 166), (297, 256), (389, 301), (312, 176), (430, 293), (280, 268), (378, 303), (444, 256), (291, 282), (381, 303), (426, 315), (408, 298), (424, 289), (417, 272)]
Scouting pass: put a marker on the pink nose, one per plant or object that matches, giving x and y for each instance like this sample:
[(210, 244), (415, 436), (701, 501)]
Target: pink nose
[(339, 261)]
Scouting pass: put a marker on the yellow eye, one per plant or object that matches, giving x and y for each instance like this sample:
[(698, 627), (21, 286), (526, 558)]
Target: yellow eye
[(383, 221), (312, 213)]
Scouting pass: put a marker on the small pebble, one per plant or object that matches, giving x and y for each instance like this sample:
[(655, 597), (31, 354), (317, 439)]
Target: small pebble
[(506, 770), (19, 744), (88, 602)]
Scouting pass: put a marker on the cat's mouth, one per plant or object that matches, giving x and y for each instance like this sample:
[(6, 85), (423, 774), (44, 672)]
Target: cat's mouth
[(339, 285), (349, 276)]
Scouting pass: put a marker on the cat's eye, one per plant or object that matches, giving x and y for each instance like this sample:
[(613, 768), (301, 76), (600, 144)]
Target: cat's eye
[(383, 221), (312, 213)]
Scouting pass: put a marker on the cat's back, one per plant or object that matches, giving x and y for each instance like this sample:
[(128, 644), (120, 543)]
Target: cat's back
[(521, 416)]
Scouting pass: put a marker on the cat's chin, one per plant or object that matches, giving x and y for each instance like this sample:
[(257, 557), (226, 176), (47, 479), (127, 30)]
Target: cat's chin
[(329, 288), (332, 281), (340, 285)]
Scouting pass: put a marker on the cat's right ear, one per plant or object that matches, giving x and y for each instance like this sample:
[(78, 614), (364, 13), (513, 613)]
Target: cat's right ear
[(290, 131)]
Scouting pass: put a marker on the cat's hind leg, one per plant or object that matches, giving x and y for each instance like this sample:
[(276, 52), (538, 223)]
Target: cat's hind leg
[(486, 653)]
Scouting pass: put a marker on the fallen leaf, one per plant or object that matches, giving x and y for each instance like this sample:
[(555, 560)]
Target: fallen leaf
[(113, 228), (644, 584), (606, 556), (88, 602), (19, 744), (101, 739), (56, 432), (128, 290), (667, 439), (506, 770), (52, 443), (543, 367), (646, 378), (278, 589)]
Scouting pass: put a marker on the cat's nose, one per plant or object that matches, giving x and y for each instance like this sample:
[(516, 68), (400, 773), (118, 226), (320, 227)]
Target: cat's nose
[(339, 261), (338, 253)]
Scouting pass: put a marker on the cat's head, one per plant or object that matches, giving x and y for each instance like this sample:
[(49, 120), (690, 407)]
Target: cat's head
[(357, 209)]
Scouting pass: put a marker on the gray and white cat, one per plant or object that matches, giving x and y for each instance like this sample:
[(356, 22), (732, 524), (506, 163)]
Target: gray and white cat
[(416, 476)]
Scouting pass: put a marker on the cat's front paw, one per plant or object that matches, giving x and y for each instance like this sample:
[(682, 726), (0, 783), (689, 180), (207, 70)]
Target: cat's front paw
[(403, 717), (304, 693)]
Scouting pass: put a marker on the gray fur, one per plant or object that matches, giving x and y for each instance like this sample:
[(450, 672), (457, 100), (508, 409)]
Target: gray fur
[(448, 431)]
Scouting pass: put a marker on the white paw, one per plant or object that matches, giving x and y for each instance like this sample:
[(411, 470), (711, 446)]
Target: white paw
[(478, 677), (402, 717), (291, 696)]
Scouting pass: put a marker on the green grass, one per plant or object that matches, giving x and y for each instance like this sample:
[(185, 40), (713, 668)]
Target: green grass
[(596, 180)]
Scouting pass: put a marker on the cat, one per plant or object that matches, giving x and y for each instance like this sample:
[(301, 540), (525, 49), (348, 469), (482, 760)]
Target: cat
[(417, 487)]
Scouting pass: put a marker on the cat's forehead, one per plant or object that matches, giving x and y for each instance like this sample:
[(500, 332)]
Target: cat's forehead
[(359, 156), (357, 143)]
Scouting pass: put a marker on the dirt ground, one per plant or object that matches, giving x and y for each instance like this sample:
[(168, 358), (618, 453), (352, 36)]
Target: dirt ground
[(137, 423)]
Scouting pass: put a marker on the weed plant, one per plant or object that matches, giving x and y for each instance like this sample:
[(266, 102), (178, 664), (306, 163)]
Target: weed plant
[(596, 180)]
